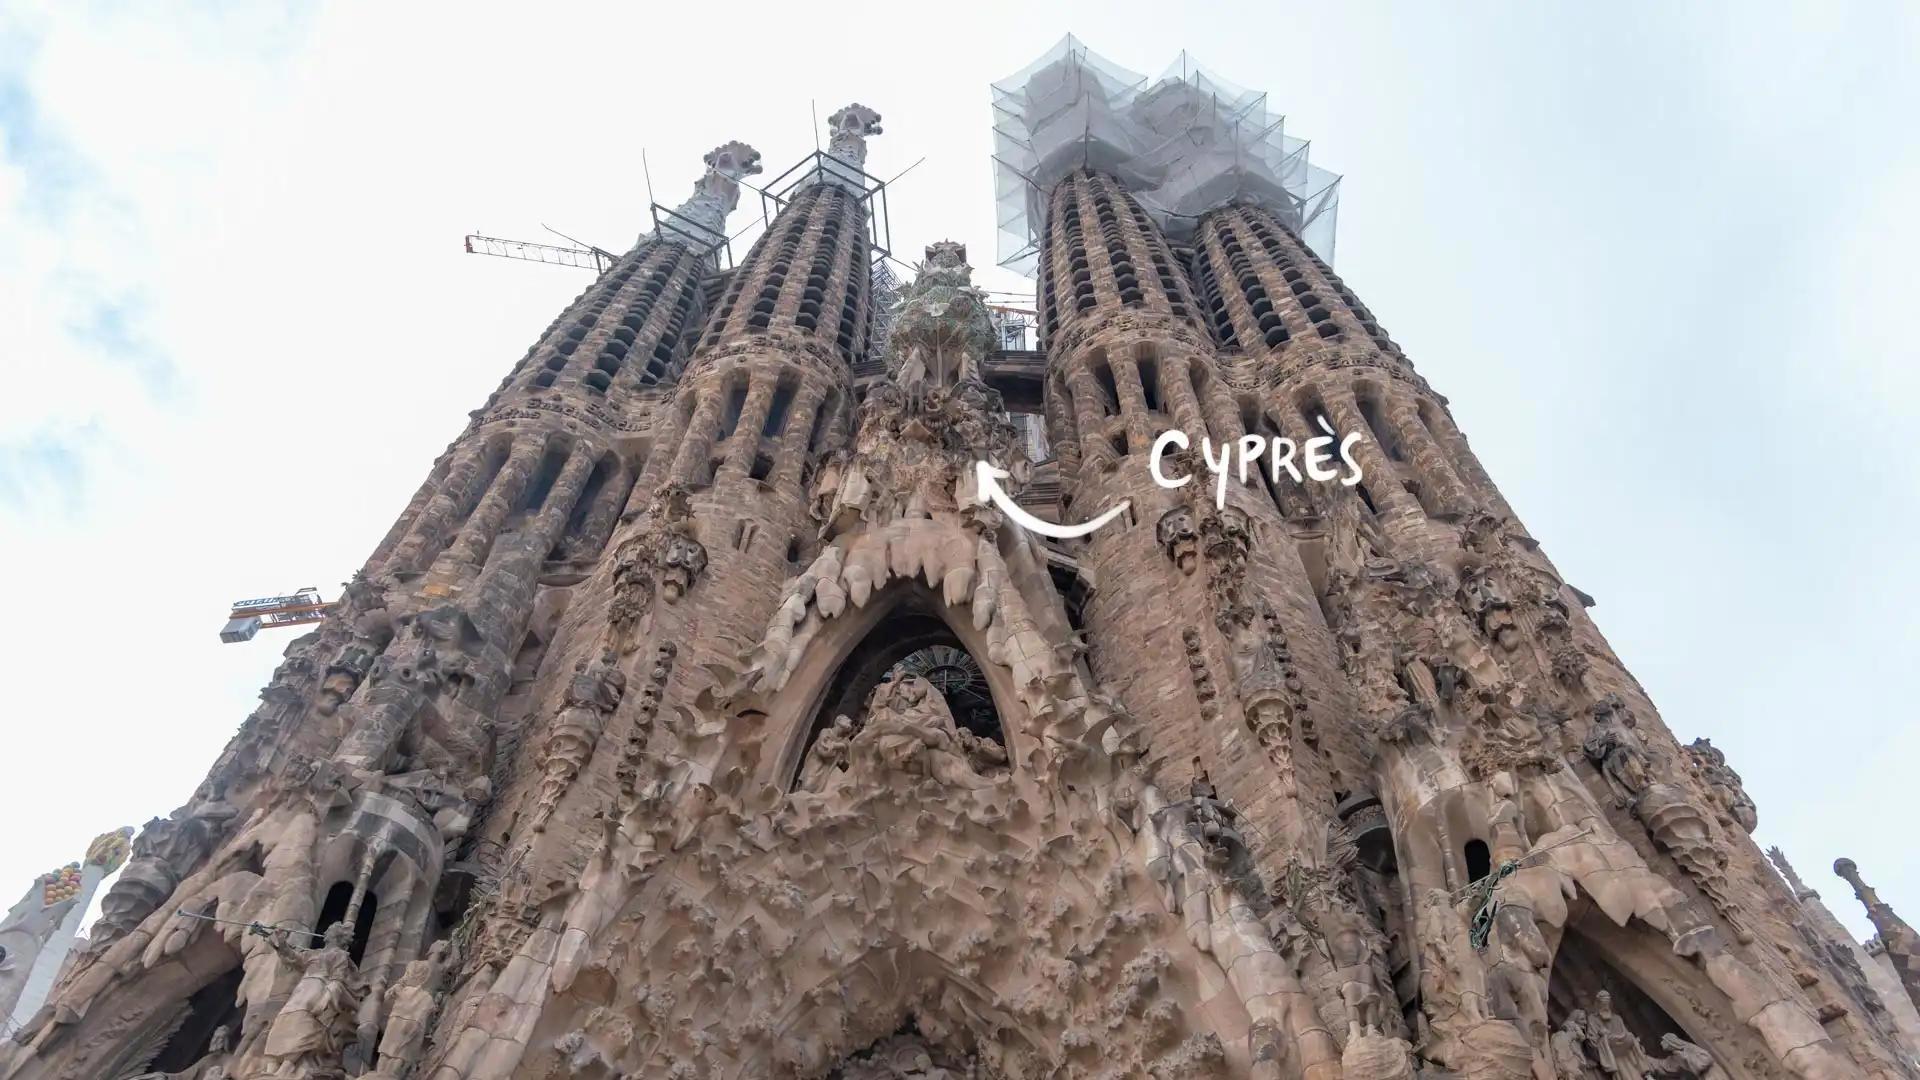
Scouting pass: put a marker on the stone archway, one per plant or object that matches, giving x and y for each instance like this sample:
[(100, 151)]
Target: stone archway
[(849, 654), (1653, 992)]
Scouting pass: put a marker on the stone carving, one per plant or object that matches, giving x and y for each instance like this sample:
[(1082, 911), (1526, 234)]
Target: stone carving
[(940, 329), (850, 128), (166, 850), (906, 1057), (909, 731), (633, 757), (410, 1005), (1594, 1044), (1729, 796), (593, 694), (311, 1032), (827, 757), (662, 557), (1614, 746), (1179, 537)]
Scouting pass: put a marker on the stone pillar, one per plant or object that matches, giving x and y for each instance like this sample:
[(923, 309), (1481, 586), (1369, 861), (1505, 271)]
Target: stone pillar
[(598, 524), (1463, 458), (1389, 494), (1427, 457), (744, 444), (483, 525), (1089, 417), (807, 402), (690, 460), (1133, 404), (548, 528), (454, 498)]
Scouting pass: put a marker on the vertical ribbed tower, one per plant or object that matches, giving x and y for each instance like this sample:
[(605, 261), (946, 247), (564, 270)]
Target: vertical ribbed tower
[(716, 711)]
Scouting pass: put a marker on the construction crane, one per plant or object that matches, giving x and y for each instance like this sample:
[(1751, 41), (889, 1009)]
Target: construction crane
[(249, 617), (588, 257)]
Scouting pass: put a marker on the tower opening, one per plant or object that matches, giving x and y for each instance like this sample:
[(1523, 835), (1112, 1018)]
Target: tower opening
[(543, 480), (1479, 859), (334, 909)]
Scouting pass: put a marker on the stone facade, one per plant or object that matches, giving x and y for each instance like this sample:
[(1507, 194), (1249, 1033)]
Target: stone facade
[(700, 718)]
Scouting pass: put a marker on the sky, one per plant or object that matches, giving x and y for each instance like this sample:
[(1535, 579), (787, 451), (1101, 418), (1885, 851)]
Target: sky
[(1657, 256)]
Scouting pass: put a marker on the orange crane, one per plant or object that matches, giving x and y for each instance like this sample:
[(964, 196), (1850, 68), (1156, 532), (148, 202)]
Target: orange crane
[(249, 617)]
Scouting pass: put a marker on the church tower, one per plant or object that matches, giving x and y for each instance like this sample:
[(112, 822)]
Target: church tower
[(710, 714)]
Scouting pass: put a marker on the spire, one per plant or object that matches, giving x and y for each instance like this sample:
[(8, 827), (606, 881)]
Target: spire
[(847, 146), (1800, 890), (703, 216), (1902, 944)]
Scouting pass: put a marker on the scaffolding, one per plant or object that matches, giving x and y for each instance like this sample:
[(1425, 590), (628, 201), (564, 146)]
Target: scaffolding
[(1183, 144)]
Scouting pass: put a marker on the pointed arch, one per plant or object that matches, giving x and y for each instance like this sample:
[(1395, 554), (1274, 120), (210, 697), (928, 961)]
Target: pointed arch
[(850, 653), (1655, 990)]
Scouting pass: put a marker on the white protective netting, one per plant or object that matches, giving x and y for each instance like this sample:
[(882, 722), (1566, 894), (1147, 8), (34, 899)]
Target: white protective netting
[(1183, 144)]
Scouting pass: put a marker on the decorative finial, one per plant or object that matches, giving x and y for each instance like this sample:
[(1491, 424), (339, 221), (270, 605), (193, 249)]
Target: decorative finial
[(703, 217), (847, 145)]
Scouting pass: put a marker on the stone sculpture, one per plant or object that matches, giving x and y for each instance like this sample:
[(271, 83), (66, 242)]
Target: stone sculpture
[(592, 695)]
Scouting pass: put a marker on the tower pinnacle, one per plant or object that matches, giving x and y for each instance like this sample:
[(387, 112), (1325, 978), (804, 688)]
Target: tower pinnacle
[(847, 145), (1902, 944), (717, 192)]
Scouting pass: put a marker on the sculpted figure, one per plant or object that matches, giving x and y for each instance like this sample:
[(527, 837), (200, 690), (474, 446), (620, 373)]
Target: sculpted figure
[(827, 757), (594, 693), (1354, 960), (1487, 602), (1505, 823), (1517, 981), (409, 1005), (313, 1029), (1615, 1049), (1179, 538), (1685, 1060), (1729, 794), (1614, 746), (909, 730), (1569, 1045), (455, 820), (1213, 822), (165, 852), (985, 755)]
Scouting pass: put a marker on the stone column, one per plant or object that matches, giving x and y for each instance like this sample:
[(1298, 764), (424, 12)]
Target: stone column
[(1133, 404), (697, 443), (483, 525), (807, 402), (1089, 417), (1427, 457), (1176, 388), (548, 528), (744, 443), (1060, 430), (1464, 460), (1389, 494), (598, 524), (455, 495)]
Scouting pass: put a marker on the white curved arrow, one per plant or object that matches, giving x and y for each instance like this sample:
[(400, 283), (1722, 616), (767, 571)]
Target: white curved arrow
[(989, 477)]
